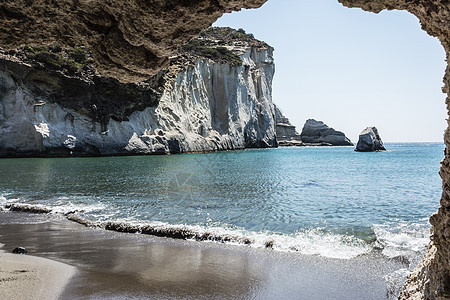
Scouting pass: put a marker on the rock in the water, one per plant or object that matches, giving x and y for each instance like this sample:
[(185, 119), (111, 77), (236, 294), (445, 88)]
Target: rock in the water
[(287, 134), (317, 132), (369, 141), (20, 250)]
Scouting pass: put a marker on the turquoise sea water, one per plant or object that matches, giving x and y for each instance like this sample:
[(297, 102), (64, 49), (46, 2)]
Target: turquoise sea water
[(328, 201)]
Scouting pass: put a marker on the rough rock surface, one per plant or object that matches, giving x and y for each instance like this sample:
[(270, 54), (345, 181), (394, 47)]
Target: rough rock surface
[(131, 40), (287, 134), (317, 132), (198, 104), (369, 141)]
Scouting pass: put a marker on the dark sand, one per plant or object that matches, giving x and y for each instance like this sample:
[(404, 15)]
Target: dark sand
[(132, 266)]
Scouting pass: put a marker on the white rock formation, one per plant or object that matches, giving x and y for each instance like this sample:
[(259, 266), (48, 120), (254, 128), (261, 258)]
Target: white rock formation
[(208, 106)]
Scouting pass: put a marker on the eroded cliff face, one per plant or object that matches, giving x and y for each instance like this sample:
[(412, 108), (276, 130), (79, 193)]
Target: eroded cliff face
[(131, 40), (431, 279), (198, 104)]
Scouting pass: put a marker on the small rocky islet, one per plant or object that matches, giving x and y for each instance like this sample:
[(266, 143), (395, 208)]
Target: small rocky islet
[(314, 133), (370, 141)]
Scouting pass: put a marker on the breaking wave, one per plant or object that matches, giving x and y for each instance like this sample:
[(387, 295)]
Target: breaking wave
[(402, 241)]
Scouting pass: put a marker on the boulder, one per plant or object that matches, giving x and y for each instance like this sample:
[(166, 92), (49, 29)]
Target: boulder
[(20, 250), (317, 132), (369, 141)]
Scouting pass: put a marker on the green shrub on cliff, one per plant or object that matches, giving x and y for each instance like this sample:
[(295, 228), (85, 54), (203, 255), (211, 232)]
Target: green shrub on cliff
[(228, 35), (201, 48), (48, 58), (53, 57), (79, 55)]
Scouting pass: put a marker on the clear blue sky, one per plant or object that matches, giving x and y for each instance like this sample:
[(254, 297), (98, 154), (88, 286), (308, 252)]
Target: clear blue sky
[(351, 68)]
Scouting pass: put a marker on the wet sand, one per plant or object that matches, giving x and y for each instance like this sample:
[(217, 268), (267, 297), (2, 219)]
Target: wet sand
[(119, 265)]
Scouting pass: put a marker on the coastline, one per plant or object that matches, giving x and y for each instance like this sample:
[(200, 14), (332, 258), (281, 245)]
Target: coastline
[(123, 265)]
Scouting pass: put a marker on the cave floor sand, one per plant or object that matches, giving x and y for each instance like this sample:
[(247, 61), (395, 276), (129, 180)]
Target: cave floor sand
[(117, 266)]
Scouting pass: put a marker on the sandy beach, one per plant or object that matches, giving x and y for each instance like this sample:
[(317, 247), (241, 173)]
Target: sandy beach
[(31, 277), (116, 265)]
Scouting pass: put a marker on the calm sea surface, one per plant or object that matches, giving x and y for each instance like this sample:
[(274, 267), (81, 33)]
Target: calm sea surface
[(328, 201)]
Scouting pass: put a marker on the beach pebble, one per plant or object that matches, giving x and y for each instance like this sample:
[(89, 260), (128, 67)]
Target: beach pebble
[(20, 250)]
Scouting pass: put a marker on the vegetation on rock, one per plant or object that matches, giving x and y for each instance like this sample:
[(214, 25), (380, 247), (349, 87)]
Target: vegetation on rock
[(219, 44), (203, 49), (54, 57)]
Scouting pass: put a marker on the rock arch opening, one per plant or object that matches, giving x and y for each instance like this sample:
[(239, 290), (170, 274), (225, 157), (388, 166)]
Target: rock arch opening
[(434, 268)]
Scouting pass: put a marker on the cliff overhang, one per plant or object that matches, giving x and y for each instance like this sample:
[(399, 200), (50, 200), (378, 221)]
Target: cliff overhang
[(130, 40)]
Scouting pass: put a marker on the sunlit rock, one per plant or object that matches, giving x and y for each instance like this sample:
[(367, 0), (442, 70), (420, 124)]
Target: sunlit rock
[(216, 95), (369, 141), (317, 132)]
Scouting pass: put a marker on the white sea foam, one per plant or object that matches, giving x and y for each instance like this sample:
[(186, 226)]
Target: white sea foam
[(4, 200), (403, 239), (58, 207), (395, 281), (314, 242), (64, 205), (395, 240), (310, 242)]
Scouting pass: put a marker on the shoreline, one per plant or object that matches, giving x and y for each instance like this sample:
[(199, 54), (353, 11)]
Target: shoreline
[(112, 264)]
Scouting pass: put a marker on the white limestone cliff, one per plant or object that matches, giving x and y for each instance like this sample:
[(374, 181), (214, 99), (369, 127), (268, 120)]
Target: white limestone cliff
[(208, 106)]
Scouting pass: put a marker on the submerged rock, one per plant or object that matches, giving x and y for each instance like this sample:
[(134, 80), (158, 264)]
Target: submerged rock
[(318, 133), (369, 141)]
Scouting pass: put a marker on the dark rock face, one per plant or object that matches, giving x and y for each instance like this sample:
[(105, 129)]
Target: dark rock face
[(20, 250), (99, 97), (369, 141), (317, 132)]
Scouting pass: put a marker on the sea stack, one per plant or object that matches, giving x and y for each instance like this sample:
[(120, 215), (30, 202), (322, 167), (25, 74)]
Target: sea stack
[(317, 132), (286, 133), (369, 141)]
